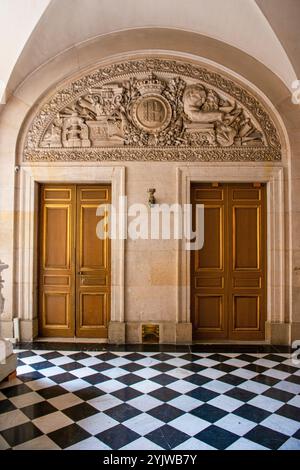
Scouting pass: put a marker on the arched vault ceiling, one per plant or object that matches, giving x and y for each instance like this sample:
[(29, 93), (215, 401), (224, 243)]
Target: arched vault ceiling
[(58, 25)]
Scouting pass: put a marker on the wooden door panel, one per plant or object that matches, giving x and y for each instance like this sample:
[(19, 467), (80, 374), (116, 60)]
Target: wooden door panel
[(228, 278), (246, 312), (247, 266), (56, 253), (209, 313), (245, 240), (93, 264), (207, 266), (57, 263)]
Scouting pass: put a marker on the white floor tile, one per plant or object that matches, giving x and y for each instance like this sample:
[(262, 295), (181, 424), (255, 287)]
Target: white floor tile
[(12, 419), (105, 402), (245, 444), (144, 402), (226, 403), (217, 386), (97, 423), (291, 444), (266, 403), (288, 387), (235, 424), (65, 401), (58, 420), (147, 373), (254, 387), (110, 386), (74, 385), (143, 423), (194, 444), (146, 386), (185, 403), (189, 424), (141, 444), (39, 443), (181, 386), (281, 424), (114, 373), (39, 384), (92, 443), (26, 399)]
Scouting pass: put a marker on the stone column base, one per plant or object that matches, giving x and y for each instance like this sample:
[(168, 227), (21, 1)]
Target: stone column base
[(8, 359), (116, 332), (278, 333)]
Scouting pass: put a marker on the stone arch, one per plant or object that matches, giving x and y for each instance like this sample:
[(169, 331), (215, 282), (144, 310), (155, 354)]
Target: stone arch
[(25, 101)]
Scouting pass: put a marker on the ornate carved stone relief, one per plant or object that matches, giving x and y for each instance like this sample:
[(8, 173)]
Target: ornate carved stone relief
[(152, 109)]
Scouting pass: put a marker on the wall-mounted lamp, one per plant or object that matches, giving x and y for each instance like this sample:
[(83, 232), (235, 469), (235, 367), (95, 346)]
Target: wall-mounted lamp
[(151, 198)]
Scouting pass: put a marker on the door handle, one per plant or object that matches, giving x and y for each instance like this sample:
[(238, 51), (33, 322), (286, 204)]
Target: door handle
[(80, 272)]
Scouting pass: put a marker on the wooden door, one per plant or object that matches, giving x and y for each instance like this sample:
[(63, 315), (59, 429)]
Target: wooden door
[(228, 274), (92, 265), (74, 265)]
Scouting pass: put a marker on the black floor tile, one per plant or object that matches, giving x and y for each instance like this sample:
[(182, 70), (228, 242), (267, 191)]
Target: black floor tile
[(80, 411), (197, 379), (79, 356), (167, 437), (117, 437), (63, 377), (240, 394), (266, 437), (162, 357), (41, 365), (132, 367), (71, 366), (165, 412), (286, 368), (88, 393), (224, 367), (106, 356), (255, 368), (30, 376), (52, 355), (69, 435), (202, 394), (295, 379), (135, 357), (193, 367), (51, 392), (126, 394), (6, 406), (164, 394), (100, 367), (288, 411), (217, 437), (232, 379), (15, 390), (164, 379), (277, 394), (38, 409), (163, 367), (252, 413), (266, 380), (97, 378), (208, 413), (122, 412), (26, 354), (129, 379), (22, 433)]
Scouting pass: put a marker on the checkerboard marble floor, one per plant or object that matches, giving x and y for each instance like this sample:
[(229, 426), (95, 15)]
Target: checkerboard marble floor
[(141, 400)]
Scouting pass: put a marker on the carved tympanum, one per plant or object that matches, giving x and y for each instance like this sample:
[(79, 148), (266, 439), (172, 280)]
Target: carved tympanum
[(152, 104)]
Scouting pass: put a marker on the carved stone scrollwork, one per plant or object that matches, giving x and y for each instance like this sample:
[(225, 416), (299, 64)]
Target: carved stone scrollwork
[(152, 109)]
